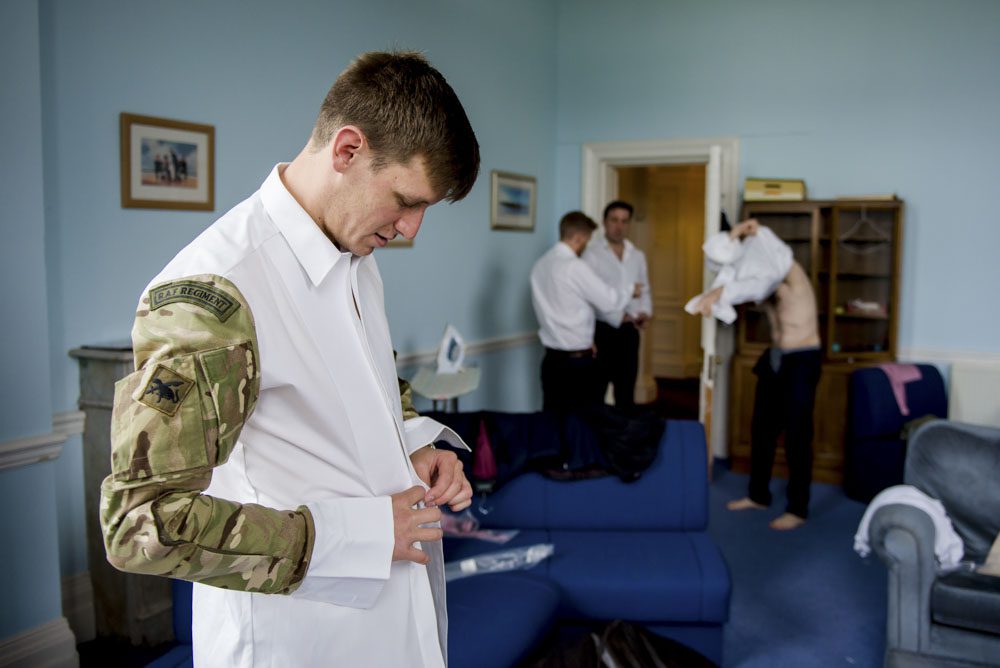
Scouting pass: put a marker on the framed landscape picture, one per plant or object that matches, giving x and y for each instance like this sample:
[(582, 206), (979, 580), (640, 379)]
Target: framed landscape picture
[(512, 201), (167, 164)]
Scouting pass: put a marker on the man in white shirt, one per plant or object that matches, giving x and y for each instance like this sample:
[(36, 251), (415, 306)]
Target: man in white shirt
[(565, 292), (616, 259), (264, 447)]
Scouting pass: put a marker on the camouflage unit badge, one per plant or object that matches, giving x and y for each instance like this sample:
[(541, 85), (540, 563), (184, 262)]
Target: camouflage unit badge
[(166, 390), (198, 293)]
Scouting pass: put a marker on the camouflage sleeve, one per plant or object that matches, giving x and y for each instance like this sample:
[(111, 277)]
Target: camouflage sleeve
[(176, 417), (406, 398)]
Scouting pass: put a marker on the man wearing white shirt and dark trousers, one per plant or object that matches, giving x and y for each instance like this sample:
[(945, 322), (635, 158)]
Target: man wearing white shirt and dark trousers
[(616, 260), (264, 448), (566, 292)]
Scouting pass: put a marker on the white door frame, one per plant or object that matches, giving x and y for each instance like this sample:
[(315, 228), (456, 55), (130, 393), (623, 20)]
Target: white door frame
[(600, 185)]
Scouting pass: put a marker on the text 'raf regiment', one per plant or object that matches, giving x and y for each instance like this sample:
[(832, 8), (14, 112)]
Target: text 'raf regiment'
[(197, 293)]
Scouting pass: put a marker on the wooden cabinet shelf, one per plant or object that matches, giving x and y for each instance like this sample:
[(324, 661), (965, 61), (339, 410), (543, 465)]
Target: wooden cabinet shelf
[(862, 316), (851, 251)]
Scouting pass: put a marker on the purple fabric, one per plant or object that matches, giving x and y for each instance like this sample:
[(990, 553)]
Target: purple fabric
[(899, 375)]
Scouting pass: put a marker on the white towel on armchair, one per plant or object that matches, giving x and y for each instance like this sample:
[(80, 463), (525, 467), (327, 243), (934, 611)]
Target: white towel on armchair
[(948, 546)]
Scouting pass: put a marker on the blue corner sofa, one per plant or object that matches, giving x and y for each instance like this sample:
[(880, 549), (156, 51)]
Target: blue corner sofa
[(637, 551)]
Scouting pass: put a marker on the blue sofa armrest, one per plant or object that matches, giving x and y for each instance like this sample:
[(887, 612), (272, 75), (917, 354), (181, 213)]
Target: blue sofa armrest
[(671, 495)]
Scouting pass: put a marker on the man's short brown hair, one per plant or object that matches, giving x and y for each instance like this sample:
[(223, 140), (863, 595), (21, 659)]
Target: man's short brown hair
[(406, 109), (574, 222)]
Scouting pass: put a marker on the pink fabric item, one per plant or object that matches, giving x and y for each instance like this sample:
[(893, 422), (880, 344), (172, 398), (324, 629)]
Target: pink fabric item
[(899, 375), (484, 465)]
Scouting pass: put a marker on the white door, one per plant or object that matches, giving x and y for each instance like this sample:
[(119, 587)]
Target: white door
[(713, 215)]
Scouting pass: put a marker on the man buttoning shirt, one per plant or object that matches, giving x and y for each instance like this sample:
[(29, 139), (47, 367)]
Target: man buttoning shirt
[(260, 449), (755, 266), (565, 292), (616, 259)]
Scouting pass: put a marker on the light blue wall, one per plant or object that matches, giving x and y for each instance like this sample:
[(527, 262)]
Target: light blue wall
[(854, 96), (30, 558), (257, 72), (31, 548)]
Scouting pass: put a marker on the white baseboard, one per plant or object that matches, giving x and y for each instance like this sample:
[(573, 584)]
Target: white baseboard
[(78, 606), (51, 645)]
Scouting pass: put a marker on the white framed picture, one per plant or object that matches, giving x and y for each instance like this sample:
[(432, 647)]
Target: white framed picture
[(512, 201)]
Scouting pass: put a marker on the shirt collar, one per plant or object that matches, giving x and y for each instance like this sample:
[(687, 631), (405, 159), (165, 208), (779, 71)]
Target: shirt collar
[(606, 244), (314, 251), (563, 249)]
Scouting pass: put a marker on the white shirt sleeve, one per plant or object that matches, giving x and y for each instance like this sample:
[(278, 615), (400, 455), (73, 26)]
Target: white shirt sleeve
[(600, 295), (352, 551)]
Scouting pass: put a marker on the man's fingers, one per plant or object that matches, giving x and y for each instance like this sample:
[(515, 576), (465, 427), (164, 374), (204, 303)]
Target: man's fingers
[(448, 467), (458, 507), (411, 496), (463, 499), (415, 555), (428, 534), (427, 515), (456, 486)]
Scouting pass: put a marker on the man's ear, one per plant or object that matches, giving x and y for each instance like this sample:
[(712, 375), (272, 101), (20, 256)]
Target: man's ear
[(346, 147)]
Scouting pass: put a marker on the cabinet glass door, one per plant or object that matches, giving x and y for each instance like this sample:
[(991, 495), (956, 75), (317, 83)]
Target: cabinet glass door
[(862, 280)]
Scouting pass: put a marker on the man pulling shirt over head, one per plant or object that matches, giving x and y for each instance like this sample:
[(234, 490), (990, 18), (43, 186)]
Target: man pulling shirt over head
[(616, 259), (264, 448), (565, 292), (755, 265)]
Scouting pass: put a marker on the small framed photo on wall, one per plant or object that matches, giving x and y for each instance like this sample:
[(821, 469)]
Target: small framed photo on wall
[(167, 164), (512, 201)]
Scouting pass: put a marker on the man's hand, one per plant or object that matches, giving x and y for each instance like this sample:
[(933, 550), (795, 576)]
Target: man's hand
[(747, 228), (706, 303), (442, 471), (406, 521), (636, 290), (640, 320)]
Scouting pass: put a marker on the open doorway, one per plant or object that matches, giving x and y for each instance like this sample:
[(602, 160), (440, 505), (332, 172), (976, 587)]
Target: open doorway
[(668, 226), (719, 158)]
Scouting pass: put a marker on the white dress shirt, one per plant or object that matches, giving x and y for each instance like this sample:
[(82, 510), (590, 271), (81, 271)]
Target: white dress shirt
[(565, 292), (328, 433), (748, 270), (626, 272)]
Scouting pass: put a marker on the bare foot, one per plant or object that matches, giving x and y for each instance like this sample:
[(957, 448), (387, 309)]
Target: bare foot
[(786, 522), (746, 503)]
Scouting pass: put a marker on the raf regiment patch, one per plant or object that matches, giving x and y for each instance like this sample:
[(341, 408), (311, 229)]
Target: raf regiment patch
[(166, 390), (207, 296)]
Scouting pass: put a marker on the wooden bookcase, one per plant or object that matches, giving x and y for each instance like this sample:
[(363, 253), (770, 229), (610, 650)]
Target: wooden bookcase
[(851, 249)]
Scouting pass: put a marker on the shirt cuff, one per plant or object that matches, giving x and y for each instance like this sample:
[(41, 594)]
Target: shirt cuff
[(352, 552), (421, 431)]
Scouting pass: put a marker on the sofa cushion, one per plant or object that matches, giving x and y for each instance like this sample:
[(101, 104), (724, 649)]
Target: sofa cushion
[(496, 619), (671, 494), (640, 576), (967, 600)]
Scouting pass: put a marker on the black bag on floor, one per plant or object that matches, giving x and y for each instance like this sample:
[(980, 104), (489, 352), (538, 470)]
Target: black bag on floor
[(622, 645)]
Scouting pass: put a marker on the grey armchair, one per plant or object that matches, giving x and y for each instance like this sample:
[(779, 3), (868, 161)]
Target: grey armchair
[(943, 618)]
